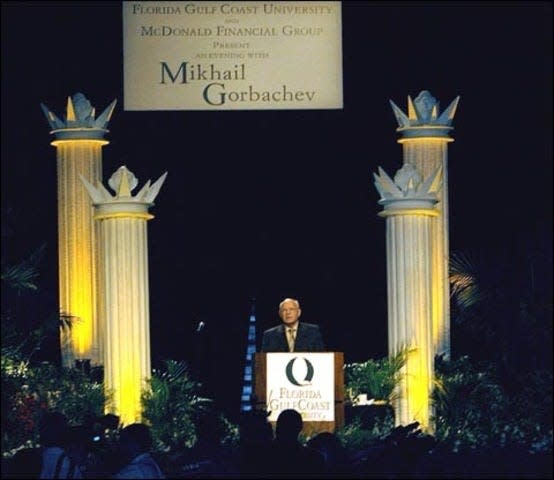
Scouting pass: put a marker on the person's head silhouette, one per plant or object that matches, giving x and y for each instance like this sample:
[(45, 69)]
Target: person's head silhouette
[(289, 425), (53, 429), (135, 439)]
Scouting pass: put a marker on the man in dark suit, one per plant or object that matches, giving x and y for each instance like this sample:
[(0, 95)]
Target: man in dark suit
[(292, 335)]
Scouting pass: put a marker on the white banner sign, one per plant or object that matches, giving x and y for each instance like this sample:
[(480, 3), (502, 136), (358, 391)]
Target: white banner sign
[(232, 55), (304, 382)]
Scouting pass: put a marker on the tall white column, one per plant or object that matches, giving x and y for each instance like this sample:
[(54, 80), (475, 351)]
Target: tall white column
[(123, 235), (409, 209), (425, 136), (79, 141)]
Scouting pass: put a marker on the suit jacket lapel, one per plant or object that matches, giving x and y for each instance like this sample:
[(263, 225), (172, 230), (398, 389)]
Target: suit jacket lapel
[(284, 345), (298, 346)]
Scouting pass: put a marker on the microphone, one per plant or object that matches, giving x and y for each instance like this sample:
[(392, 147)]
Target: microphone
[(200, 326)]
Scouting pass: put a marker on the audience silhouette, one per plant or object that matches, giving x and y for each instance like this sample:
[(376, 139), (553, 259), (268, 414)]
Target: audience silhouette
[(335, 455), (401, 453), (288, 457), (53, 434), (255, 437), (135, 442), (26, 463), (406, 452), (208, 456)]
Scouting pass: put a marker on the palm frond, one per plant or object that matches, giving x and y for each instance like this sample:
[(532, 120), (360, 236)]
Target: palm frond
[(22, 276), (464, 279), (376, 378)]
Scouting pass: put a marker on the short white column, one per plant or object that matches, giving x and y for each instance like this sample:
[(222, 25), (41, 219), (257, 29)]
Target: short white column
[(409, 209), (123, 235)]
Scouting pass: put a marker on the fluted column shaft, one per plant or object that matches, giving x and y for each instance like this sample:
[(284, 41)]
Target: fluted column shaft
[(427, 154), (409, 244), (409, 208), (77, 243), (127, 338)]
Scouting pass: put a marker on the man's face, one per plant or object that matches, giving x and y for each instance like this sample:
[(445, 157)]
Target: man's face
[(289, 313)]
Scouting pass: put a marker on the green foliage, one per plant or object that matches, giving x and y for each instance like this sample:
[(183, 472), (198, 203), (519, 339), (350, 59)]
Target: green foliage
[(71, 392), (468, 404), (24, 333), (502, 305), (230, 432), (473, 410), (531, 409), (22, 276), (355, 437), (376, 378), (502, 318), (171, 404), (29, 391), (473, 406), (18, 282)]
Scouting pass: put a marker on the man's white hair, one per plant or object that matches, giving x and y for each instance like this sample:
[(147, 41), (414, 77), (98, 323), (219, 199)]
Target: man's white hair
[(293, 300)]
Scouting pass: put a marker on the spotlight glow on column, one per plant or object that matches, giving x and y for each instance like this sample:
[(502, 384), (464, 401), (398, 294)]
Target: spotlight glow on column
[(124, 247), (79, 142), (409, 207), (425, 136)]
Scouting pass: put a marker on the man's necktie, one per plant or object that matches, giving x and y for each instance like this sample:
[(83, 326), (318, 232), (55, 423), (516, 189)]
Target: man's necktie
[(290, 338)]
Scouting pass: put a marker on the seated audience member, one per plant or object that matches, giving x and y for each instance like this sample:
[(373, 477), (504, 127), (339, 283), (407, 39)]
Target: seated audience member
[(255, 437), (208, 457), (135, 442), (78, 447), (53, 434), (26, 463), (287, 455), (335, 455)]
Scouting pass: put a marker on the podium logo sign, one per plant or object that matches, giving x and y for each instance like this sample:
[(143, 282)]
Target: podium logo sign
[(309, 373), (232, 55), (302, 381)]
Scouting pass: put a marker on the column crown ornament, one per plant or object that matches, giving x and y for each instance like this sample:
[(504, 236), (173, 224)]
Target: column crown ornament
[(79, 121), (123, 204), (423, 119), (408, 193)]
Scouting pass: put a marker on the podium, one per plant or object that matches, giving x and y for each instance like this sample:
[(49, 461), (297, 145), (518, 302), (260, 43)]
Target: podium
[(310, 383)]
